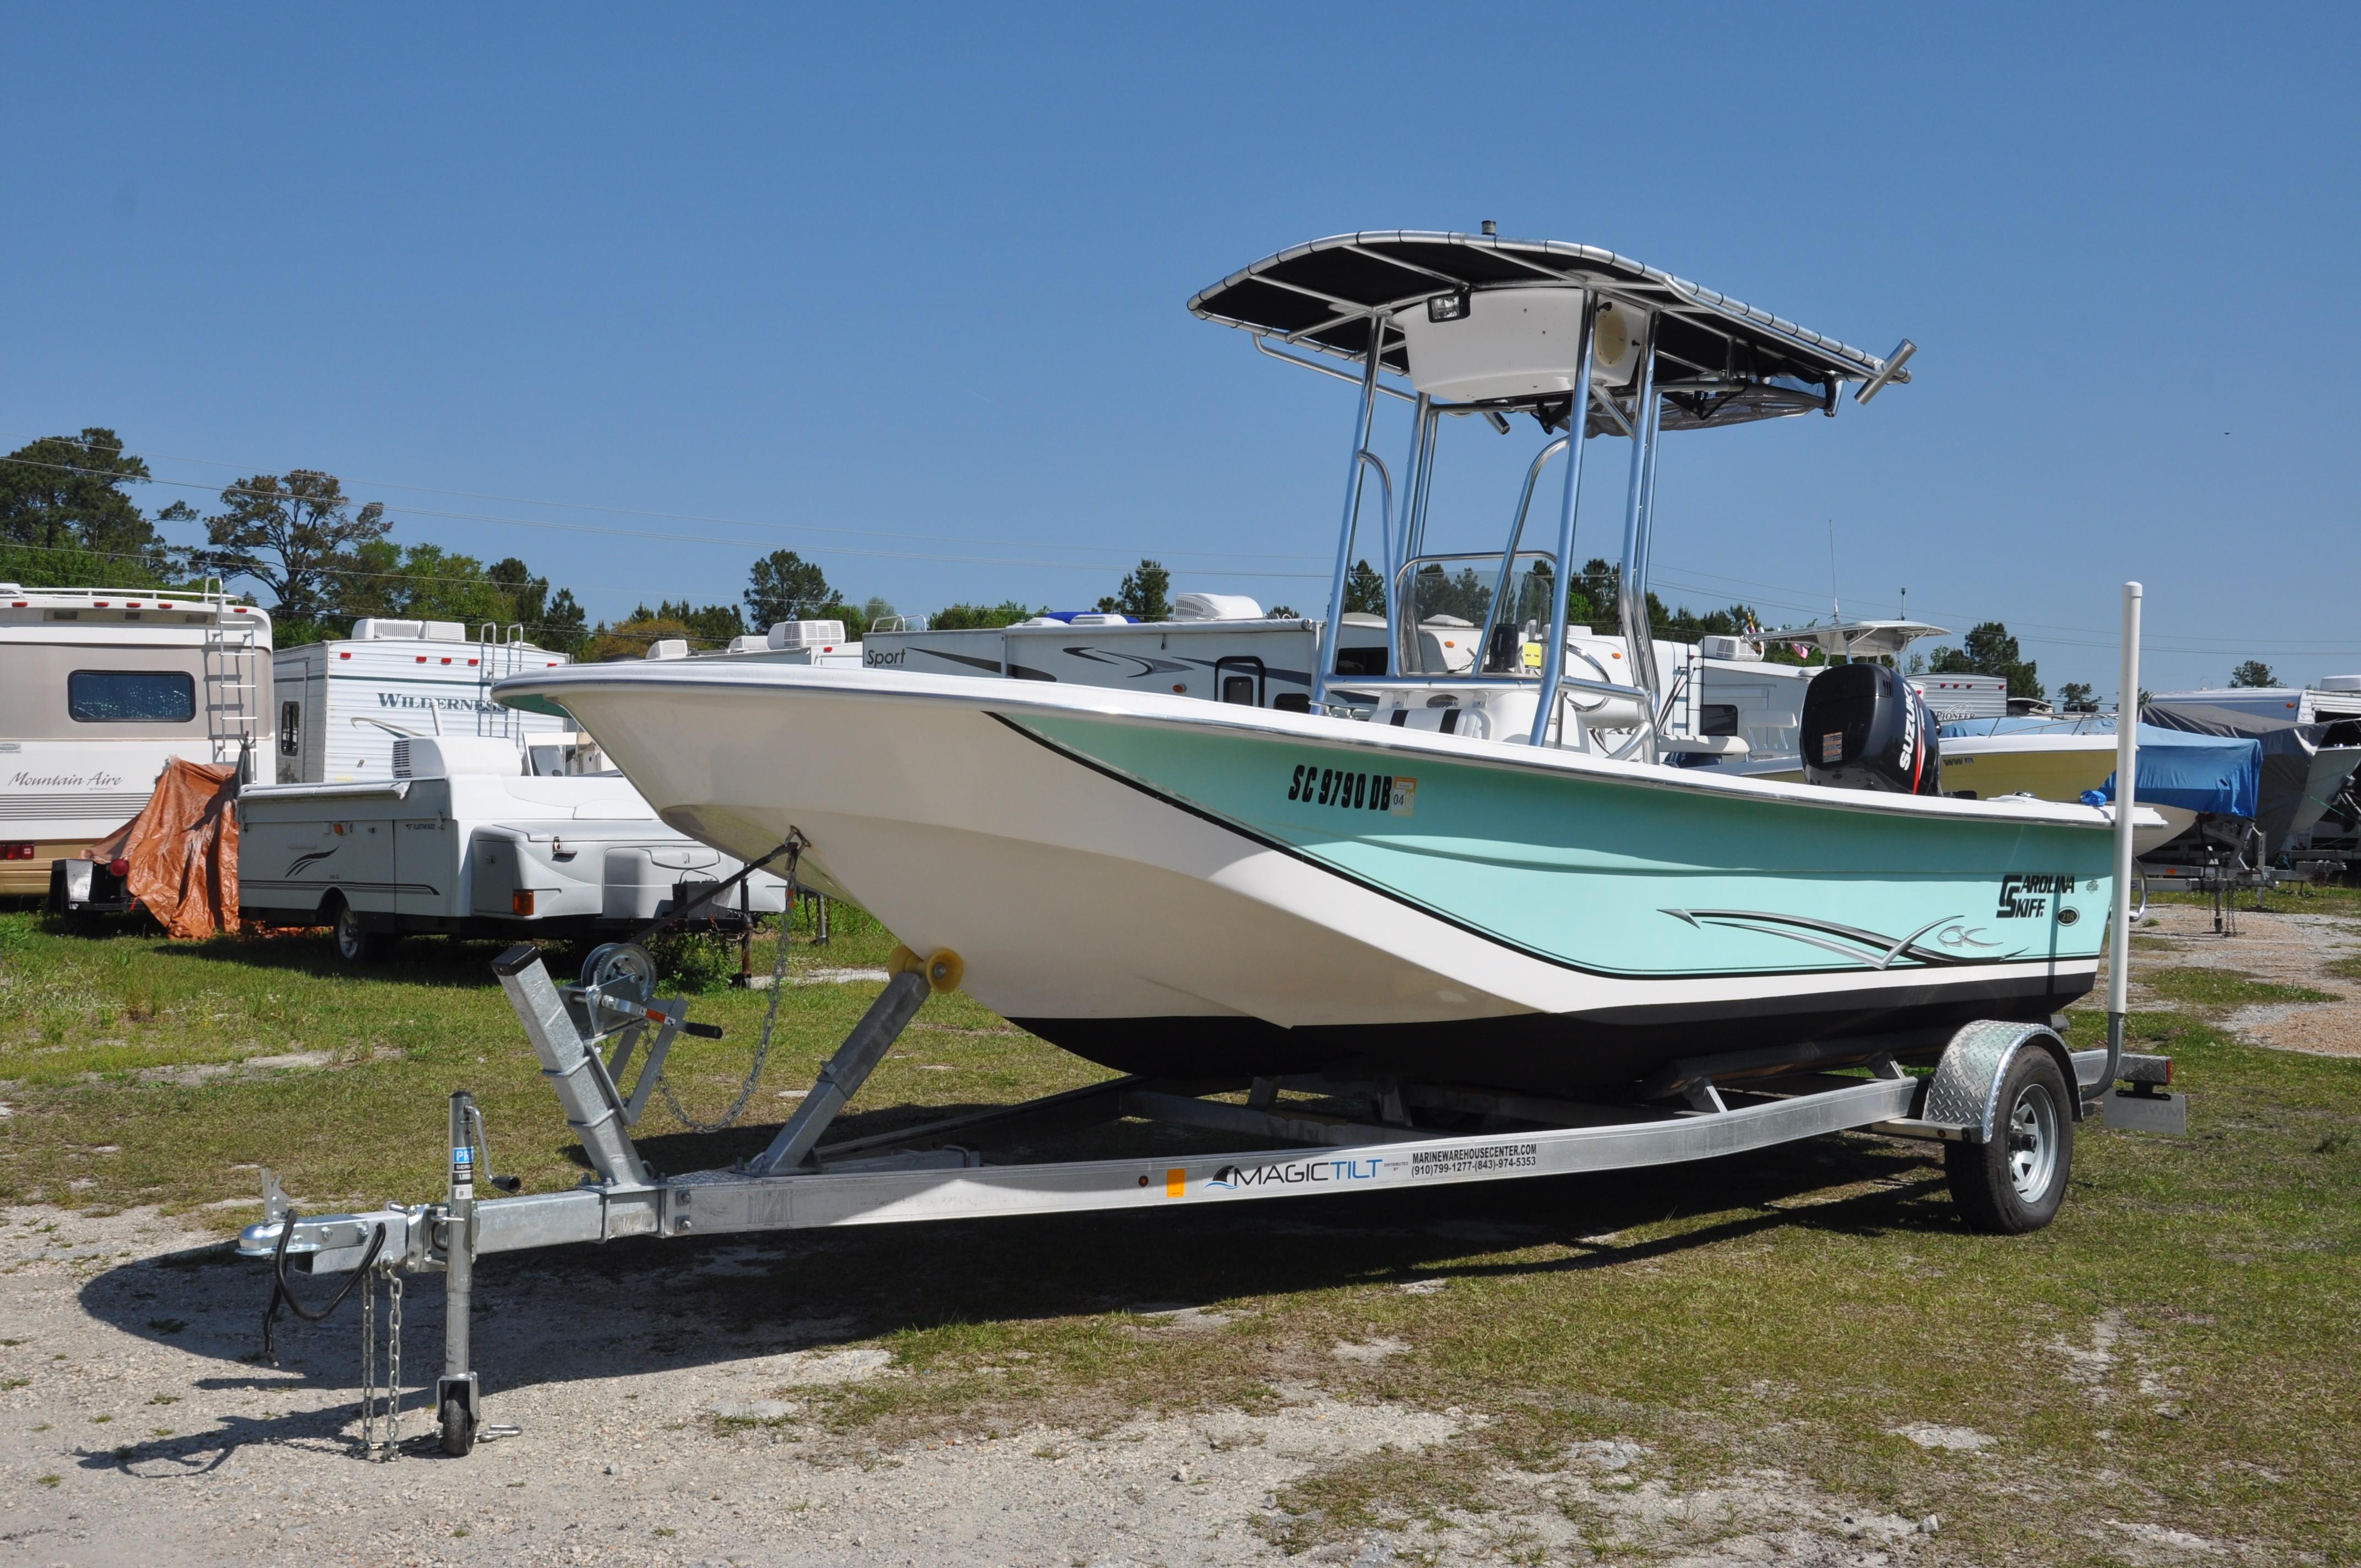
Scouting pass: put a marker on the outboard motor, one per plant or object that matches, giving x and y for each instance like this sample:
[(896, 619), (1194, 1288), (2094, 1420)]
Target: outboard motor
[(1866, 728)]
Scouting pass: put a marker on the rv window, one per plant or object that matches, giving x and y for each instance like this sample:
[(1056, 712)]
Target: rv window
[(290, 728), (131, 697)]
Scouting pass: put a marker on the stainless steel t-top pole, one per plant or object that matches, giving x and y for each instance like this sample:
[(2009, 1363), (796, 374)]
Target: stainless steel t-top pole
[(1331, 635), (1569, 504), (2119, 965)]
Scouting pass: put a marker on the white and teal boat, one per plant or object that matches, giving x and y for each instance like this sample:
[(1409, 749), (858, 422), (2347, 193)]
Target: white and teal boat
[(1512, 876)]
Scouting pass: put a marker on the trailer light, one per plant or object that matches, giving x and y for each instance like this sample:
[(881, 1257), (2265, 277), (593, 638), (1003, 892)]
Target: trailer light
[(343, 655), (422, 658), (521, 904), (446, 660), (471, 664), (15, 852), (118, 868)]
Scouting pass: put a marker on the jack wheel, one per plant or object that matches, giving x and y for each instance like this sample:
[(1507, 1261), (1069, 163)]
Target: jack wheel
[(458, 1429), (2016, 1182)]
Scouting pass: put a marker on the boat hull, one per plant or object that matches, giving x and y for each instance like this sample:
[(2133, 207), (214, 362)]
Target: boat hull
[(1173, 887), (2051, 767)]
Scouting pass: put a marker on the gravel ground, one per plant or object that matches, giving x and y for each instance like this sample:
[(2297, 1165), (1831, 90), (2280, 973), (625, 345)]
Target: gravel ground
[(2292, 949), (138, 1427)]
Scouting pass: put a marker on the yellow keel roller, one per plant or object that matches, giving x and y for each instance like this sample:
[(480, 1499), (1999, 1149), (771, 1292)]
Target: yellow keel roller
[(943, 971)]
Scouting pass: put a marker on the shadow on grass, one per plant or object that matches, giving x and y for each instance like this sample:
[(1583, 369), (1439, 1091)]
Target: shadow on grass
[(646, 1306), (447, 961)]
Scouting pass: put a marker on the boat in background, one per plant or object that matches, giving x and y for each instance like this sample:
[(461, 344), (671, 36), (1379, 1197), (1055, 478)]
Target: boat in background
[(1505, 873), (2183, 778), (2306, 768)]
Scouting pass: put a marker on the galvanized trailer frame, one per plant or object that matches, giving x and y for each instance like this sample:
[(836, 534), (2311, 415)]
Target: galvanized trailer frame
[(1700, 1109)]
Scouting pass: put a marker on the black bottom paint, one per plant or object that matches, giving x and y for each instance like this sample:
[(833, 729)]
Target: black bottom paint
[(1544, 1053)]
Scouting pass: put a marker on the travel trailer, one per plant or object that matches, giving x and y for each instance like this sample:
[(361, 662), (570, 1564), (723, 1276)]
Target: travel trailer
[(342, 704), (411, 803), (104, 686)]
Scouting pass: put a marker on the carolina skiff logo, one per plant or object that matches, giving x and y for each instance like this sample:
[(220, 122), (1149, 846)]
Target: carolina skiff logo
[(2026, 894), (1295, 1173), (1348, 791)]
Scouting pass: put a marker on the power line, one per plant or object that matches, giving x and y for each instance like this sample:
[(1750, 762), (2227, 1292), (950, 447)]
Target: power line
[(630, 512), (1100, 568)]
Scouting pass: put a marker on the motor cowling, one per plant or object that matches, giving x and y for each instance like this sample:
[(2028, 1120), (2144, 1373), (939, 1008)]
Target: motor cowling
[(1866, 728)]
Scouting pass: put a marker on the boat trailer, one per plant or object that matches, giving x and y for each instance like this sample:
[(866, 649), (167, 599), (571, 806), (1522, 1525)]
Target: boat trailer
[(1973, 1101)]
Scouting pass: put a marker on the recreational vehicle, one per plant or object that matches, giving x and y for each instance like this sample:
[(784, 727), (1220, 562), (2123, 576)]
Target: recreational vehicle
[(342, 704), (105, 685)]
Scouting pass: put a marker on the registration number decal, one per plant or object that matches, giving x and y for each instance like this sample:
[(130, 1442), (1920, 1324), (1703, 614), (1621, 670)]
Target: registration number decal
[(1345, 790)]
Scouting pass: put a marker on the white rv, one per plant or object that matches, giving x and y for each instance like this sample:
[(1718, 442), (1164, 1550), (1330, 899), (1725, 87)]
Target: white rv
[(787, 643), (1219, 646), (1955, 699), (2336, 696), (409, 802), (457, 837), (342, 704), (99, 687)]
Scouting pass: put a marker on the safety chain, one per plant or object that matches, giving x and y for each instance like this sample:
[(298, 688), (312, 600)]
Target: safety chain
[(389, 1400), (770, 1017)]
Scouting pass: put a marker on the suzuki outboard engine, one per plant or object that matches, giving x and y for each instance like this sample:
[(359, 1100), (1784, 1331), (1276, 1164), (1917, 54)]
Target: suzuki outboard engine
[(1866, 728)]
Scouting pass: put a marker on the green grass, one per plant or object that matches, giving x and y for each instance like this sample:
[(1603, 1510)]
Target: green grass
[(2296, 898), (130, 1064), (2220, 990), (1780, 1310)]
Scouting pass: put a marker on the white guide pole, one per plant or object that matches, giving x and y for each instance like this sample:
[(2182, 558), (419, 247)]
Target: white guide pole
[(2128, 706)]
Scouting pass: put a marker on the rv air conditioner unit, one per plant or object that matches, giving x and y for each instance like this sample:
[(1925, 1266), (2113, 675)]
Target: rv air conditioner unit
[(377, 629), (1215, 607), (785, 634)]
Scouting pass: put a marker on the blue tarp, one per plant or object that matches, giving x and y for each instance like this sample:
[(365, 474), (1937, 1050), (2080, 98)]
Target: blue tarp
[(2216, 773)]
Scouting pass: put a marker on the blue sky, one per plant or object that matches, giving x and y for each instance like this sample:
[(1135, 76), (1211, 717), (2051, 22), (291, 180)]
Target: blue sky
[(641, 294)]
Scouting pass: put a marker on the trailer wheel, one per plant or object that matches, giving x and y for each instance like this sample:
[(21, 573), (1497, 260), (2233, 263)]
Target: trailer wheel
[(355, 944), (458, 1429), (2014, 1182)]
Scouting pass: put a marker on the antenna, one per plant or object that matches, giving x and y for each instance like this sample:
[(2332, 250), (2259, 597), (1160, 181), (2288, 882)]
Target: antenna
[(1905, 605), (1834, 608)]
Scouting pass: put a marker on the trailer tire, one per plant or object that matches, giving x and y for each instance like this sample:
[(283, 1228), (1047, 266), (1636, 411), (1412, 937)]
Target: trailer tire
[(458, 1429), (2014, 1181), (356, 943)]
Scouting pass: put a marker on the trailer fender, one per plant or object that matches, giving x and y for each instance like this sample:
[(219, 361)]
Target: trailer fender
[(1964, 1091)]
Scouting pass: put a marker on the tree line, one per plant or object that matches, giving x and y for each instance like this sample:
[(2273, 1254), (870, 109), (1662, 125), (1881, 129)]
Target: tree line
[(68, 520)]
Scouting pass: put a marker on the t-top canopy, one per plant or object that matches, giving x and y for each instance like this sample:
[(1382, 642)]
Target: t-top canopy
[(1719, 362)]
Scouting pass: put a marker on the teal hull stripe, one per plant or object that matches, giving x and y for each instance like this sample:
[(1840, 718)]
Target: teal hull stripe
[(1854, 893)]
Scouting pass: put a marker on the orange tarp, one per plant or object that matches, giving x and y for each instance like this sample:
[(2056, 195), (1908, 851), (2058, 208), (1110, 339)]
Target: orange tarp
[(182, 849)]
